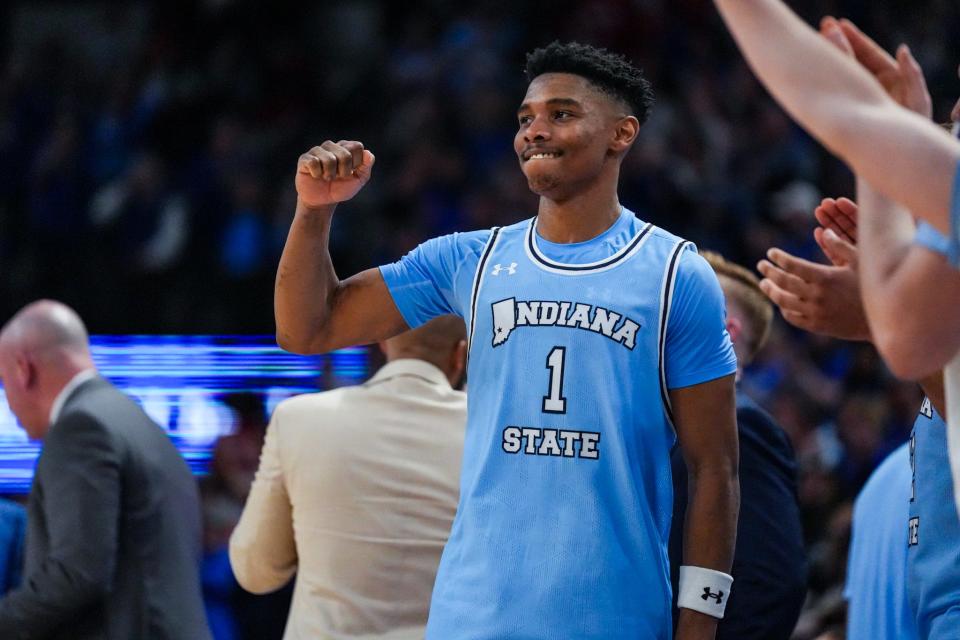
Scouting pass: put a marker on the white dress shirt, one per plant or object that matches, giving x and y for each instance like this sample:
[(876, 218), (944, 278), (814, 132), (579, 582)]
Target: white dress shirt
[(356, 492)]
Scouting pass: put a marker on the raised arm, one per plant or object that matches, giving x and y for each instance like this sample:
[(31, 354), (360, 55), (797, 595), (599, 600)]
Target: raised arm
[(898, 275), (315, 311), (847, 109)]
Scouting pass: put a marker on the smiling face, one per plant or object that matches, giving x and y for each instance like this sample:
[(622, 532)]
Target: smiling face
[(570, 133)]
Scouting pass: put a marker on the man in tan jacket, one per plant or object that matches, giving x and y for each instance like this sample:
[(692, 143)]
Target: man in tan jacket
[(356, 493)]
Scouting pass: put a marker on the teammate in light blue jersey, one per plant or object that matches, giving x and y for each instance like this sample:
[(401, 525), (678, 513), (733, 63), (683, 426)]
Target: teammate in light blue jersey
[(933, 558), (875, 588), (596, 342)]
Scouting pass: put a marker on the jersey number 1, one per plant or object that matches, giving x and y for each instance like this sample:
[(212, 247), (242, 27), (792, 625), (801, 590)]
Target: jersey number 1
[(554, 402)]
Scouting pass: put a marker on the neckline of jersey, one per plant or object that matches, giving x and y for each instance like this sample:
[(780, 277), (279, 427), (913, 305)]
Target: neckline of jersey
[(545, 262), (623, 219)]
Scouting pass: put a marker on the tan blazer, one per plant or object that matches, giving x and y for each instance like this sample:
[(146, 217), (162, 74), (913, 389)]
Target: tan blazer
[(356, 492)]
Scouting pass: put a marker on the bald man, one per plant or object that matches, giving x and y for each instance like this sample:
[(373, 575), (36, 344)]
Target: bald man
[(356, 493), (113, 523)]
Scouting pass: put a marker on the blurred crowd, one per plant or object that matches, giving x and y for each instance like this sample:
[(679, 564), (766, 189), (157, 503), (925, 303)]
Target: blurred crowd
[(147, 153), (233, 613)]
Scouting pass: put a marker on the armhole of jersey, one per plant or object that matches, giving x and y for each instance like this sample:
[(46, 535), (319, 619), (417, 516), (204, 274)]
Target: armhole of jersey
[(478, 282), (666, 300)]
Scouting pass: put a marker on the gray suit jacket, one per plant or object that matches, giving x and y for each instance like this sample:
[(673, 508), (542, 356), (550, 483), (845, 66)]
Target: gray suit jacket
[(113, 532)]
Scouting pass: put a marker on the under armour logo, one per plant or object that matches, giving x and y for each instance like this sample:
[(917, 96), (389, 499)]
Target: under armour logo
[(512, 269), (707, 594)]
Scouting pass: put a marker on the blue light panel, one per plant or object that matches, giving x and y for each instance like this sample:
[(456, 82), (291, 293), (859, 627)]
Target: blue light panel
[(181, 381)]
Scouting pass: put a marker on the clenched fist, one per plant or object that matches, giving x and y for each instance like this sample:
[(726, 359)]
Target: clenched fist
[(333, 172)]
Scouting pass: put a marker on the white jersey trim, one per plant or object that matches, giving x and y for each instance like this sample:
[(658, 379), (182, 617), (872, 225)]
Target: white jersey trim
[(478, 283), (552, 266), (666, 302)]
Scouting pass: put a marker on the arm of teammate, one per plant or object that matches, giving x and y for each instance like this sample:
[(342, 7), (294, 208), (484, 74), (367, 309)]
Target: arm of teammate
[(819, 298), (895, 273), (706, 424), (263, 551), (909, 292), (315, 311), (845, 108)]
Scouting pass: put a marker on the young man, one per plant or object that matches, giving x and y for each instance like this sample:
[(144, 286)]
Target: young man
[(595, 341)]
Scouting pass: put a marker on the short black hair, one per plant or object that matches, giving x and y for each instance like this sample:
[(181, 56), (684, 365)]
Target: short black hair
[(610, 72)]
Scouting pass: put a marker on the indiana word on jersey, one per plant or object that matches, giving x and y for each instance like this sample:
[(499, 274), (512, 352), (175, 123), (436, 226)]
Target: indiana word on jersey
[(512, 313)]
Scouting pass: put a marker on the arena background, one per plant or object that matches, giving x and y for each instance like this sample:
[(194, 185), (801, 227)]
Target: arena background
[(147, 152)]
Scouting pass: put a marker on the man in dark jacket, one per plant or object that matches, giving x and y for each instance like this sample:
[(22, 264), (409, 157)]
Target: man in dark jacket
[(769, 563), (113, 523)]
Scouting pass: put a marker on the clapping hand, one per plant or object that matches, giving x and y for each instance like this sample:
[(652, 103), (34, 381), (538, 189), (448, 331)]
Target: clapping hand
[(900, 76), (821, 298)]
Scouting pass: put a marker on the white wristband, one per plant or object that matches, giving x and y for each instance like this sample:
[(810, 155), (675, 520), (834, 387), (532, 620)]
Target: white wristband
[(704, 590)]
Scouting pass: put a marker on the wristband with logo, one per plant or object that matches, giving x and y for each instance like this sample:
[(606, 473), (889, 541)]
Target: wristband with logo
[(704, 590)]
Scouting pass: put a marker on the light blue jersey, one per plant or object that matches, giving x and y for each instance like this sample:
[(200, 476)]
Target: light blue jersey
[(876, 589), (934, 529), (566, 491)]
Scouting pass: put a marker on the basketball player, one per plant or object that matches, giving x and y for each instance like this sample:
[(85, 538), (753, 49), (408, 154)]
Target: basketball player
[(595, 341)]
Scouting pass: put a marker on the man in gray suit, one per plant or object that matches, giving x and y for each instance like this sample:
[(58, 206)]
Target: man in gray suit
[(113, 523)]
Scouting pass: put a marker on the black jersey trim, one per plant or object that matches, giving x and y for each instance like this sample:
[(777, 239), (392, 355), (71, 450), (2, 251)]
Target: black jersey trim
[(666, 300), (478, 282), (551, 265)]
